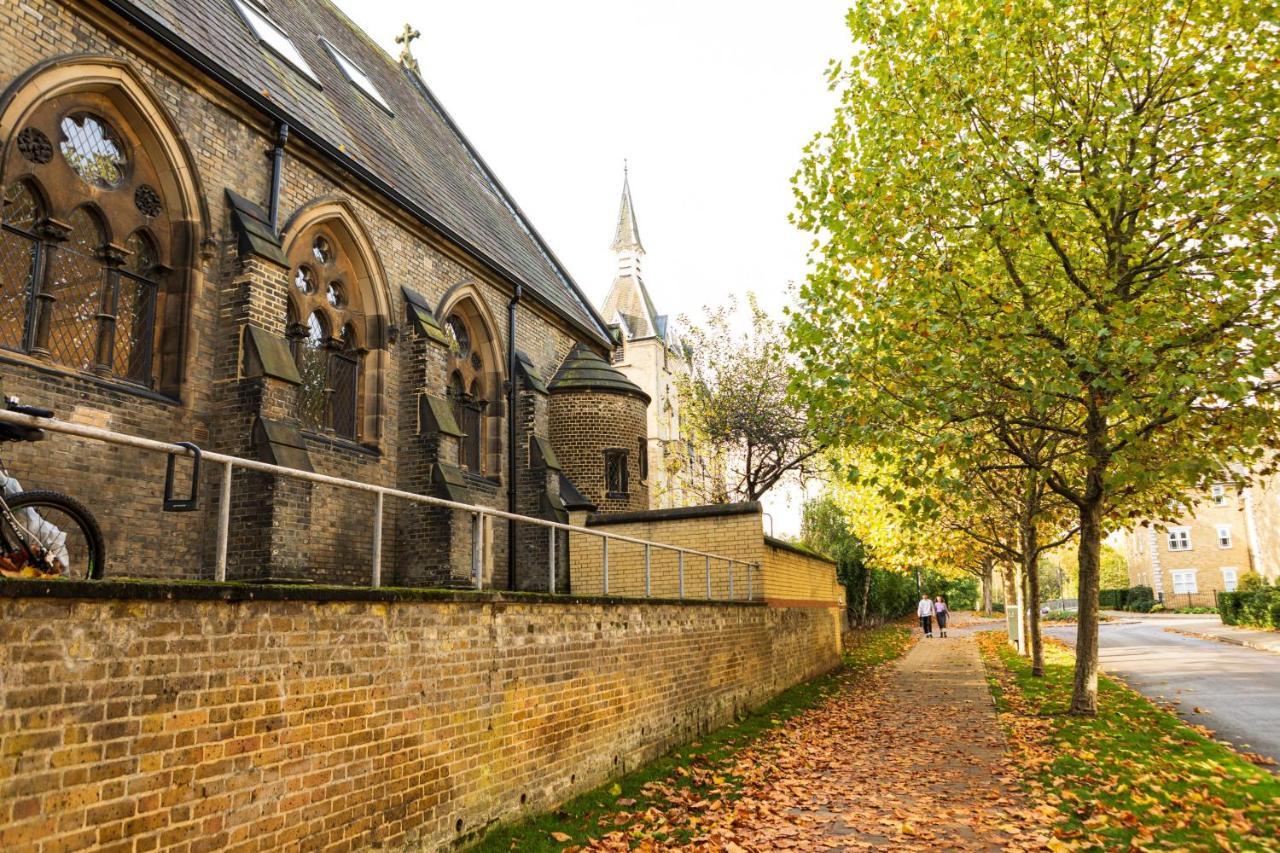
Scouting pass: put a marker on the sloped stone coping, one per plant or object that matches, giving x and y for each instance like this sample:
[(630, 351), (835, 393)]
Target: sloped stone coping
[(706, 511), (176, 590)]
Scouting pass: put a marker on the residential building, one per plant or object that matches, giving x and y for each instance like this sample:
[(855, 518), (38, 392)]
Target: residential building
[(678, 470), (1203, 549)]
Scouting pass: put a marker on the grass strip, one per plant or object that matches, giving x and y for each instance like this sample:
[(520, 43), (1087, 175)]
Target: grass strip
[(700, 767), (1133, 777)]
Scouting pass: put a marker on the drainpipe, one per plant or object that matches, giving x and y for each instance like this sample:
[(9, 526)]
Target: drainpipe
[(511, 435), (277, 166)]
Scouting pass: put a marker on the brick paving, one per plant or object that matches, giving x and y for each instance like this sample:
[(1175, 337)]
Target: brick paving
[(919, 764)]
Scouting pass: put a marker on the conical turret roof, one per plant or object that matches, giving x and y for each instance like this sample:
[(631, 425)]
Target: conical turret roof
[(585, 369)]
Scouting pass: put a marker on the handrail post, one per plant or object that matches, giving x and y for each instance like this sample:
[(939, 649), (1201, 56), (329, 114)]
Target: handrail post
[(377, 540), (477, 546), (730, 580), (605, 547), (708, 578), (680, 571), (648, 586), (551, 561), (224, 524)]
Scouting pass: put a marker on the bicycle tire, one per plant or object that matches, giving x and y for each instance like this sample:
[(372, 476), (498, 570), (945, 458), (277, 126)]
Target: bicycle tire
[(80, 514)]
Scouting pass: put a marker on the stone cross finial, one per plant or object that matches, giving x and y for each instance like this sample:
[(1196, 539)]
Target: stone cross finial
[(406, 54)]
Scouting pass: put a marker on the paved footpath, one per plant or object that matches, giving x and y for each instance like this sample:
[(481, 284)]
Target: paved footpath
[(911, 760)]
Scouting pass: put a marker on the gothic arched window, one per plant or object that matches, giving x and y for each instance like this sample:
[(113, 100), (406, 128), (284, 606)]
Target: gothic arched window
[(87, 241), (327, 344), (467, 379), (19, 263)]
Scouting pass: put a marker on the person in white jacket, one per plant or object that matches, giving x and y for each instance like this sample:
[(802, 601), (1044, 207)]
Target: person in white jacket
[(925, 611)]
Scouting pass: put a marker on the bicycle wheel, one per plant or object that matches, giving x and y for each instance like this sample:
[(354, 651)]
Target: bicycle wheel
[(70, 541)]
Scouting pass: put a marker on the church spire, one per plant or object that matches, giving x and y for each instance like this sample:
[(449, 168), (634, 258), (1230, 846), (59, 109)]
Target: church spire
[(626, 239)]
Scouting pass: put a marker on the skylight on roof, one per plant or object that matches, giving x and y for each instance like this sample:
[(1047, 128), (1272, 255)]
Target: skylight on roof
[(270, 34), (356, 75)]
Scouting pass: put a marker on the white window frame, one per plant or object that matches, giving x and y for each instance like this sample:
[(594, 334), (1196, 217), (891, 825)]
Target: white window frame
[(1219, 493), (356, 76), (1184, 581), (1179, 539), (273, 36), (1230, 578), (1224, 533)]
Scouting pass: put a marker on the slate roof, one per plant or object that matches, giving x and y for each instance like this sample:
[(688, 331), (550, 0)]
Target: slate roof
[(417, 155), (585, 369), (627, 235)]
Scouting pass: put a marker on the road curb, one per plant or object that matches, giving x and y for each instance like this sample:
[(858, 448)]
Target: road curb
[(1231, 641)]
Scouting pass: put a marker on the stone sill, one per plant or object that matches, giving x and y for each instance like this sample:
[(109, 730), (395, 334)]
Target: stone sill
[(233, 592)]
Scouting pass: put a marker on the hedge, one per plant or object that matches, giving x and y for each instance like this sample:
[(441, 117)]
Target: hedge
[(1257, 609)]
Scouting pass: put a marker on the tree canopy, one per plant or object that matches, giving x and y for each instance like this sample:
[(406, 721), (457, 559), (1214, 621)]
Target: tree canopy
[(735, 399), (1054, 217)]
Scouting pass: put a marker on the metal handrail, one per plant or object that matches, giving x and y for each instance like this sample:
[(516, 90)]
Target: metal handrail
[(229, 463)]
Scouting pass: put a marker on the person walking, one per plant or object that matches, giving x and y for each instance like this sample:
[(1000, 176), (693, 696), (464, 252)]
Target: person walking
[(925, 611), (941, 612)]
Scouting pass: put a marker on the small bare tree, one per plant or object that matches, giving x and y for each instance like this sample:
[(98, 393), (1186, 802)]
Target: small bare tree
[(735, 399)]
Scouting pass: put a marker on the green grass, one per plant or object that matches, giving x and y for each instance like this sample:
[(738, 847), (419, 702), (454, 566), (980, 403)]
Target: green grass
[(1135, 774), (702, 765)]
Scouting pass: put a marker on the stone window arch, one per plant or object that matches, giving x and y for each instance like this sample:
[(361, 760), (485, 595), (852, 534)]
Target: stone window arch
[(475, 385), (99, 228), (333, 324)]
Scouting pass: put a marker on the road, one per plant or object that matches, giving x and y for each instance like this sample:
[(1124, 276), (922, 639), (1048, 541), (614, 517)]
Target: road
[(1238, 687)]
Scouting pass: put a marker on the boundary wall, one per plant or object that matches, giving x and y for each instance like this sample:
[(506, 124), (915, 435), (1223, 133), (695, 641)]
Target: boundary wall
[(783, 574), (221, 716)]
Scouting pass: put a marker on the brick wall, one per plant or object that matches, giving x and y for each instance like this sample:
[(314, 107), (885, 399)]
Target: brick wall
[(780, 574), (793, 578), (586, 423), (212, 724)]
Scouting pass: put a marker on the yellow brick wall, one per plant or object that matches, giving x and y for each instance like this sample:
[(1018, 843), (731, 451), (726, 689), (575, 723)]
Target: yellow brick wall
[(798, 579), (174, 724), (738, 537), (778, 574)]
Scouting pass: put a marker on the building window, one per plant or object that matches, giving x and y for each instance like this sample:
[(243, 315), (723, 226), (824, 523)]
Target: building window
[(468, 411), (1185, 582), (1219, 494), (1179, 538), (325, 312), (20, 250), (473, 385), (355, 75), (81, 283), (615, 473), (1229, 580), (271, 34), (643, 458), (1224, 535)]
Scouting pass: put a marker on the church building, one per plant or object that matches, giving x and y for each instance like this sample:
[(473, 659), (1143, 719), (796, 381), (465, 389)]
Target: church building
[(242, 225), (678, 469)]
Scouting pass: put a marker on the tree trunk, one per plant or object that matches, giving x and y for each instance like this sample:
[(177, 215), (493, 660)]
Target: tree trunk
[(988, 572), (1084, 695), (1029, 570), (866, 593), (1028, 533), (1020, 605)]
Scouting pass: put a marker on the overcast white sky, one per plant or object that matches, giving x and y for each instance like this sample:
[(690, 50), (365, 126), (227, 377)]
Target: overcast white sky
[(711, 102)]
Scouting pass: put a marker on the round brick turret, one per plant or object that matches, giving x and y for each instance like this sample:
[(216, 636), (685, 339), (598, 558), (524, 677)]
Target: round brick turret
[(598, 422)]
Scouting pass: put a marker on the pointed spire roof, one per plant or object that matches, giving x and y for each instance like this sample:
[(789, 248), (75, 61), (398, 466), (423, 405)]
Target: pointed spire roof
[(627, 236)]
